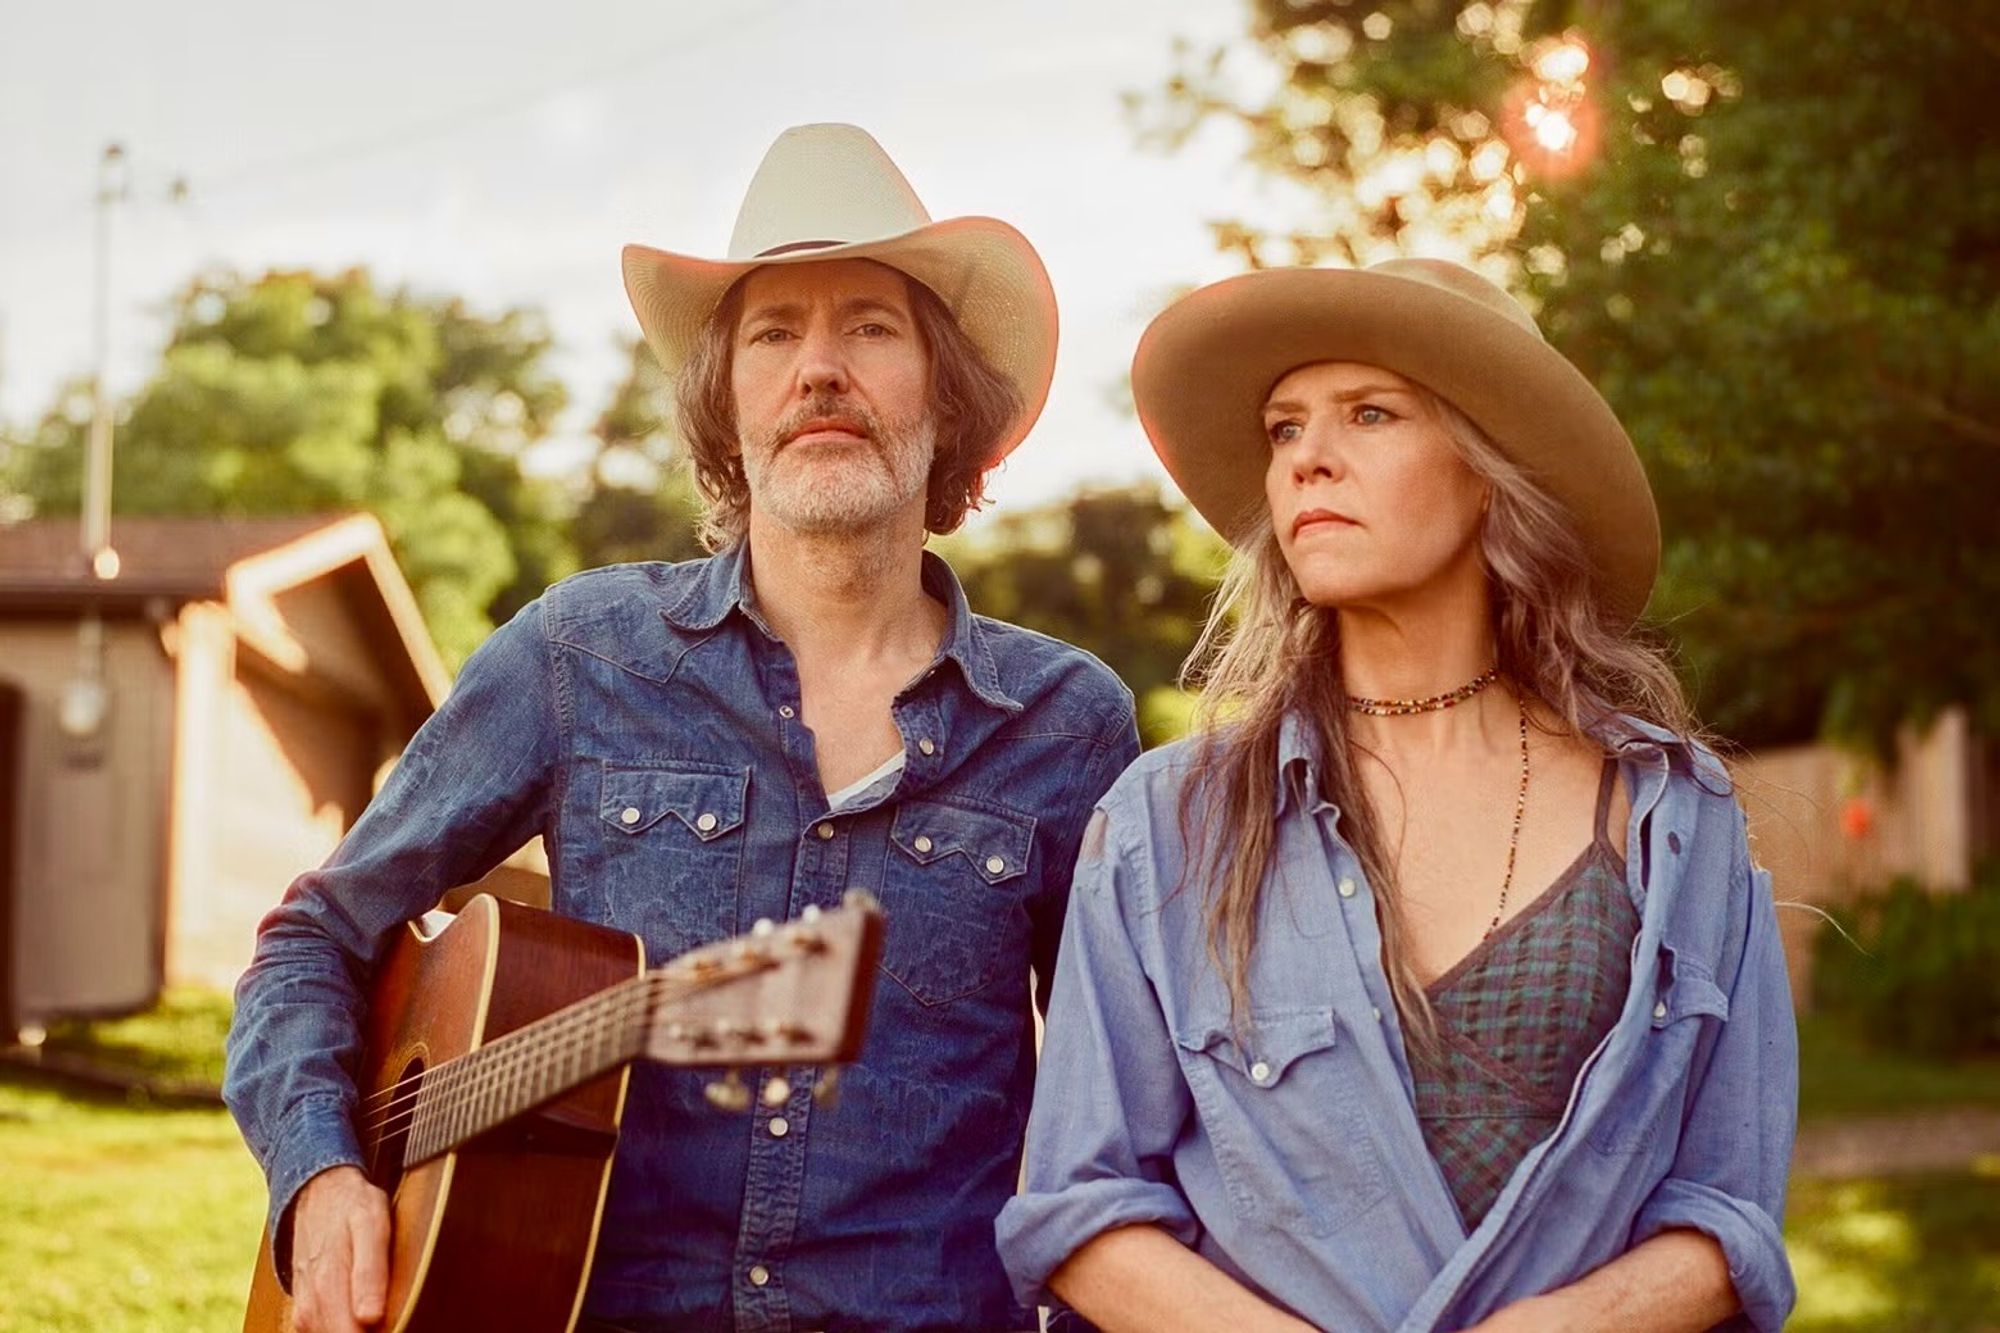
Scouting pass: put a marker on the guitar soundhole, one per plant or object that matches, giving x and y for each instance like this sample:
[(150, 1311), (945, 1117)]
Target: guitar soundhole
[(385, 1155)]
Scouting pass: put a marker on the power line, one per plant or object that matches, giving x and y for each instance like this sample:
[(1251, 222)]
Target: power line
[(731, 22)]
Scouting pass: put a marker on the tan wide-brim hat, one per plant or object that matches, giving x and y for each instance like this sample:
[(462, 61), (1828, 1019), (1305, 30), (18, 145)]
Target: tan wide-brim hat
[(831, 192), (1205, 366)]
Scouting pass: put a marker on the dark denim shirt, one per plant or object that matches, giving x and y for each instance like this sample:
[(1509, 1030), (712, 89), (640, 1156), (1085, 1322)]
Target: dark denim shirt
[(1286, 1148), (659, 688)]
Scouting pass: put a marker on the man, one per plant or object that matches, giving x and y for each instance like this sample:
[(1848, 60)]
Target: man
[(813, 708)]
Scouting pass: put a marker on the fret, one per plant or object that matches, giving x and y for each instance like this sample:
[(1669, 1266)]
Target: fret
[(464, 1097)]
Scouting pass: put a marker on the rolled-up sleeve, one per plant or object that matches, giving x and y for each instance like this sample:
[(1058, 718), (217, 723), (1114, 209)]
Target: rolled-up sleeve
[(1110, 1102), (1729, 1176), (470, 788)]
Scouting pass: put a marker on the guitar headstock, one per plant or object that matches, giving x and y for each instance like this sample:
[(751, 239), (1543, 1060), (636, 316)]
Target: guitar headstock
[(792, 994)]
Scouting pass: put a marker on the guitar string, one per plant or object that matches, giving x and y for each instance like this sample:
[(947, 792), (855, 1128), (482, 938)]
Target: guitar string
[(587, 1008), (448, 1081), (457, 1114), (465, 1079), (438, 1076), (454, 1101)]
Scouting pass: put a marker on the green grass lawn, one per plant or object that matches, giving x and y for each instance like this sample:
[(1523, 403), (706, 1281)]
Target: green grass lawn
[(117, 1218), (178, 1041)]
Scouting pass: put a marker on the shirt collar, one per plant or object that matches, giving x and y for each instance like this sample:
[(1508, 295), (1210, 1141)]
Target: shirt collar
[(725, 586)]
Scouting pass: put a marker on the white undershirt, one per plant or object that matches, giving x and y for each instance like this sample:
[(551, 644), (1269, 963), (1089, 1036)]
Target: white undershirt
[(862, 786)]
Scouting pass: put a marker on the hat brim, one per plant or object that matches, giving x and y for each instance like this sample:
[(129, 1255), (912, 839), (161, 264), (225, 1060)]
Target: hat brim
[(985, 272), (1205, 366)]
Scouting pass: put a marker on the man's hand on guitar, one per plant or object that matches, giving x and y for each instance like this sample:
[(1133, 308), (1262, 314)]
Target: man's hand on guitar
[(340, 1253)]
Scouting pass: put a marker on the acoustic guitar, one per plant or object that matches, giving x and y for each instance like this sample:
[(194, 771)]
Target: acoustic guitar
[(492, 1080)]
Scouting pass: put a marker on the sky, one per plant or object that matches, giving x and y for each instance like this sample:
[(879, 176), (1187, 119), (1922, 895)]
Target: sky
[(504, 151)]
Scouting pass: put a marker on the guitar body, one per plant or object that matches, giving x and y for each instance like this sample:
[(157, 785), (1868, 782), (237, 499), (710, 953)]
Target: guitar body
[(499, 1232)]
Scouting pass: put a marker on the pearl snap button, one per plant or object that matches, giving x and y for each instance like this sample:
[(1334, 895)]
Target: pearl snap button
[(706, 823), (629, 815), (927, 746), (780, 1127), (825, 830), (1660, 1009), (1261, 1072), (759, 1275), (1346, 888), (994, 865), (785, 710), (923, 844)]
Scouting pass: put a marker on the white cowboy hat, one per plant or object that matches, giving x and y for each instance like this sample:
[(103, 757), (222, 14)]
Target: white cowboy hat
[(1205, 365), (831, 192)]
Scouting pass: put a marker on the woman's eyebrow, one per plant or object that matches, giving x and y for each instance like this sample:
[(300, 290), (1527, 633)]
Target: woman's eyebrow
[(1344, 396)]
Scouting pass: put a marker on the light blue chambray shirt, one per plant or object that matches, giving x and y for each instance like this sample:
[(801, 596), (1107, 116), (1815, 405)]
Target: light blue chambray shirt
[(1294, 1161)]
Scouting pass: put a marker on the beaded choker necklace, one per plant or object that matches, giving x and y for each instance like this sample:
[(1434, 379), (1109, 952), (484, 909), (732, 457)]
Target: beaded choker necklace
[(1436, 703)]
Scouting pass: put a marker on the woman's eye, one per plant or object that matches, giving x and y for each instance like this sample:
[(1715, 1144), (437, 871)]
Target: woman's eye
[(1282, 432), (874, 330), (1370, 415)]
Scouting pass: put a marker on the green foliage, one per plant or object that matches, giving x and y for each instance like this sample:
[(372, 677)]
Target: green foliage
[(1923, 971), (1121, 573), (1776, 251), (302, 393), (1841, 1073), (642, 503), (1902, 1254)]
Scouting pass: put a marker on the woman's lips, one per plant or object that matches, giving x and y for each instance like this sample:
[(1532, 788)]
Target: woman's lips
[(1314, 518)]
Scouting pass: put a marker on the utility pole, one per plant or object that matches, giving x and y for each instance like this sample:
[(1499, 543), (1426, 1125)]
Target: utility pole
[(86, 701)]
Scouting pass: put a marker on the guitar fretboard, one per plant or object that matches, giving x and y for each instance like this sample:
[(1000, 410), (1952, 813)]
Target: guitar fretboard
[(464, 1097)]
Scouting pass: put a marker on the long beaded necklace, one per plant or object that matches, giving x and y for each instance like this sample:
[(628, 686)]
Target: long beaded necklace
[(1449, 699)]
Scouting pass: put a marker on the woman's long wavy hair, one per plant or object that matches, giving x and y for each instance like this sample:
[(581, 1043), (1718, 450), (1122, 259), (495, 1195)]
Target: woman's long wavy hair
[(1266, 652)]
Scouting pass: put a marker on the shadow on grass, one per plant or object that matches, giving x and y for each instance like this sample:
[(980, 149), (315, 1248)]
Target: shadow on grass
[(1904, 1254)]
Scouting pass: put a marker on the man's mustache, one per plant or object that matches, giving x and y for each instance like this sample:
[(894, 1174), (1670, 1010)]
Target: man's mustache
[(826, 412)]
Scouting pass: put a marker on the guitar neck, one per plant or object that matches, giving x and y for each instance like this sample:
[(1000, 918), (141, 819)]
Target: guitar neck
[(464, 1097)]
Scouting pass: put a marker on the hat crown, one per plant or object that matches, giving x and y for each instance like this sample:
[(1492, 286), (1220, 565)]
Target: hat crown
[(823, 185), (1461, 281)]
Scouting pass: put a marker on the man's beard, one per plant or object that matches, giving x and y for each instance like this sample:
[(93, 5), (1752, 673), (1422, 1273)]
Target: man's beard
[(837, 490)]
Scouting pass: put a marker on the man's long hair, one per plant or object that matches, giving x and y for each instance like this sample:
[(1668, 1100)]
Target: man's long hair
[(1267, 652), (971, 405)]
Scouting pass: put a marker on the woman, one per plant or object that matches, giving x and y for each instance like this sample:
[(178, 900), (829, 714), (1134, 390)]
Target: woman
[(1430, 984)]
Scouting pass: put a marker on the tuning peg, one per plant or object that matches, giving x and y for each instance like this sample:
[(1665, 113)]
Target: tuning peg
[(826, 1088), (777, 1090), (810, 914), (763, 927), (859, 898), (728, 1093)]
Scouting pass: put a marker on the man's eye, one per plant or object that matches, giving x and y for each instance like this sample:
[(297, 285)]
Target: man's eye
[(875, 330), (771, 336)]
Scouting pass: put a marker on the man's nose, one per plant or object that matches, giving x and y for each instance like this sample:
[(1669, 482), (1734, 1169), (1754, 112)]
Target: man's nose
[(822, 368)]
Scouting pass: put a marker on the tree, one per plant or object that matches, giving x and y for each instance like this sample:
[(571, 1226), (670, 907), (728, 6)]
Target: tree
[(295, 393), (641, 503), (1119, 572), (1769, 232)]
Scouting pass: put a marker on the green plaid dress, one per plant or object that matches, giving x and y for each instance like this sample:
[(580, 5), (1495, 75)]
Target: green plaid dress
[(1519, 1015)]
